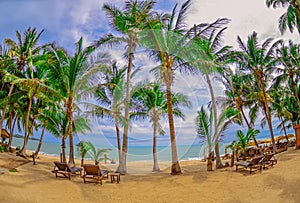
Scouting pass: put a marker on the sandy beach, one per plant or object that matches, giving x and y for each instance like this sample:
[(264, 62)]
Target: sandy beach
[(36, 183)]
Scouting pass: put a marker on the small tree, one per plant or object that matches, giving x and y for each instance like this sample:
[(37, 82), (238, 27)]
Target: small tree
[(206, 129), (97, 153), (83, 147)]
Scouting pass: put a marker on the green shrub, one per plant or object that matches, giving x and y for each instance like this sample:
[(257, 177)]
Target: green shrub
[(2, 148)]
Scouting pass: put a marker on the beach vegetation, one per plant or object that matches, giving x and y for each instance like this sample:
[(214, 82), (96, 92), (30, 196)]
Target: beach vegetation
[(289, 19), (149, 101), (209, 134)]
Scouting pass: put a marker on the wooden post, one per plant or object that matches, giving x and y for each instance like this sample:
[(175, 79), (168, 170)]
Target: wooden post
[(297, 134), (33, 158)]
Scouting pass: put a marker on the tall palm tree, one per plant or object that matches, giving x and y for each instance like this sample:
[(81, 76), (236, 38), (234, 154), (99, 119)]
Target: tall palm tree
[(166, 41), (23, 52), (211, 44), (289, 19), (110, 97), (152, 103), (128, 22), (289, 57), (72, 77), (259, 61)]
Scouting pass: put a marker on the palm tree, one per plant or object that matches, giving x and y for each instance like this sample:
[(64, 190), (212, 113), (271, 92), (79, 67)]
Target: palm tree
[(259, 61), (71, 76), (288, 56), (167, 43), (151, 102), (97, 153), (128, 22), (205, 128), (237, 87), (83, 147), (243, 139), (23, 52), (291, 18), (211, 45), (111, 99)]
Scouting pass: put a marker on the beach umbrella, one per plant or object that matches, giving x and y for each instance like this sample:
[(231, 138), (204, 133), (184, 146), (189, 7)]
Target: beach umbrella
[(4, 134)]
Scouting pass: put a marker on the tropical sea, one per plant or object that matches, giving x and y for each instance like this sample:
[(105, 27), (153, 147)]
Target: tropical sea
[(135, 153), (194, 151)]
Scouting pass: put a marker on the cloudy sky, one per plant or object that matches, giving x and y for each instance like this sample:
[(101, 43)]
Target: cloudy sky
[(66, 21)]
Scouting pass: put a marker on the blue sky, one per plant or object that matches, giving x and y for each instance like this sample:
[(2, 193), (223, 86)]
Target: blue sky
[(66, 21)]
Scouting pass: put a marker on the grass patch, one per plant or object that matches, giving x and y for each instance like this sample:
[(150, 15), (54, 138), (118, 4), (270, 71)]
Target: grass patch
[(13, 170)]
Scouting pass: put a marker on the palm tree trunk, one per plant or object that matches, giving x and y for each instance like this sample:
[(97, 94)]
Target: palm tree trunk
[(268, 115), (284, 129), (122, 162), (118, 138), (11, 132), (5, 107), (175, 169), (209, 161), (26, 130), (70, 130), (155, 160), (215, 113), (36, 153), (63, 149), (248, 124)]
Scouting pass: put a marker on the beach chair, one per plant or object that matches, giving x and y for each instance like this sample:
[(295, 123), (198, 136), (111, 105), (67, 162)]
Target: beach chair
[(255, 163), (61, 168), (93, 173), (269, 160)]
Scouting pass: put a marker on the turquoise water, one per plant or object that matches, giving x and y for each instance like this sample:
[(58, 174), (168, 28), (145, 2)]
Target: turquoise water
[(135, 153)]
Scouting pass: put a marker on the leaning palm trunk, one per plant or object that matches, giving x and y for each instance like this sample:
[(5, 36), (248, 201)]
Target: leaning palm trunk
[(11, 132), (155, 160), (122, 161), (70, 130), (37, 151), (268, 115), (5, 107), (26, 134), (214, 108), (284, 128)]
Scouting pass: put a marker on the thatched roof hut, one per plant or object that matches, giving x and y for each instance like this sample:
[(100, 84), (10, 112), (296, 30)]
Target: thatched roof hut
[(4, 134)]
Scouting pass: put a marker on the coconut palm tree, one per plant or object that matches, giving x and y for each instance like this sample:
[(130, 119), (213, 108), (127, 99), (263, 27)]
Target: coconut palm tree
[(237, 87), (258, 59), (211, 44), (72, 77), (206, 131), (289, 57), (23, 52), (128, 22), (289, 19), (151, 102), (110, 97)]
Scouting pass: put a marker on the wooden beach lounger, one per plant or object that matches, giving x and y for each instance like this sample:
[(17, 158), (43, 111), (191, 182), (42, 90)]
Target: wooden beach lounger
[(255, 163), (64, 169), (93, 173), (269, 160)]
